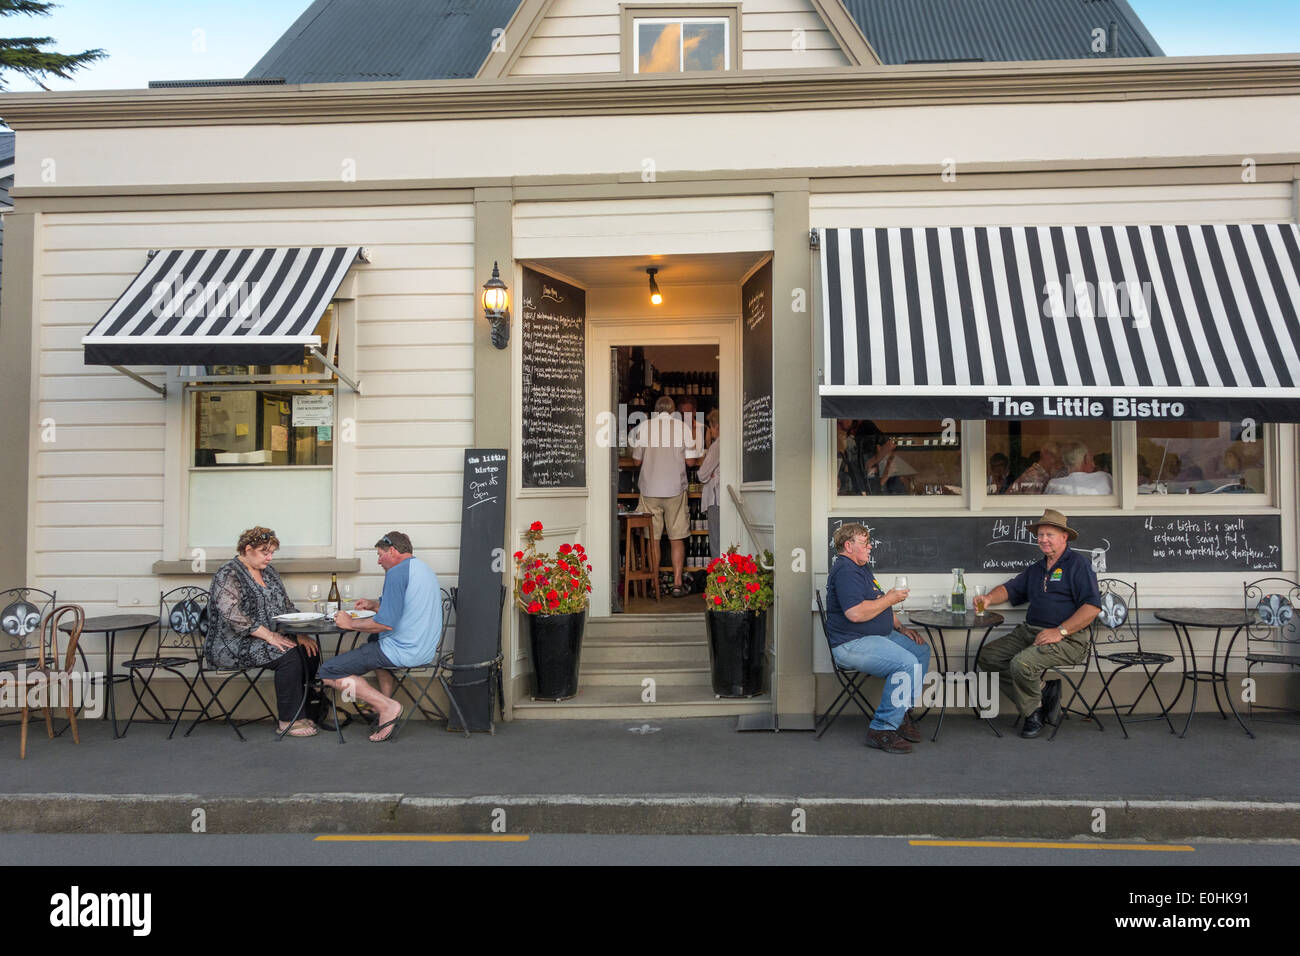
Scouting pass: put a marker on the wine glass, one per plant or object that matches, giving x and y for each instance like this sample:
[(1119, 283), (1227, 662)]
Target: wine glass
[(900, 584), (347, 597), (314, 594)]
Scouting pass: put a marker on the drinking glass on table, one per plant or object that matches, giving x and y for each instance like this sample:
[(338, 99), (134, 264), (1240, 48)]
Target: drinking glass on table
[(347, 597), (981, 599), (313, 593), (900, 584), (937, 602)]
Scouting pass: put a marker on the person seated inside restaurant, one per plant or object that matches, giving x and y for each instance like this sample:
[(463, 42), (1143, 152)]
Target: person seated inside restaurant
[(866, 636), (999, 473), (245, 597), (1041, 470), (1082, 476), (880, 465), (1063, 600), (404, 632)]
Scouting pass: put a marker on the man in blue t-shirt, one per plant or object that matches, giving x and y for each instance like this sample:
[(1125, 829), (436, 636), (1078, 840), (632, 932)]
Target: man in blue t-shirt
[(403, 633), (866, 636), (1063, 600)]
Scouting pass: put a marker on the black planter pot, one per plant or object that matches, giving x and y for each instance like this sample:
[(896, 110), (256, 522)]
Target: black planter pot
[(556, 643), (736, 640)]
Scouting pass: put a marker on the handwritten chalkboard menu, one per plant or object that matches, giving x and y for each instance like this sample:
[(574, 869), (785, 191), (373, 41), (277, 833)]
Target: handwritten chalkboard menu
[(1116, 544), (756, 381), (478, 596), (554, 317)]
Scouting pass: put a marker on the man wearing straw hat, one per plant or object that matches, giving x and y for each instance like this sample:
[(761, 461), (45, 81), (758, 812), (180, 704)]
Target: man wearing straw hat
[(1063, 600)]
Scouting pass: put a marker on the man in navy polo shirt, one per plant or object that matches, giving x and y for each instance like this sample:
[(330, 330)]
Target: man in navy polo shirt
[(866, 636), (1063, 600)]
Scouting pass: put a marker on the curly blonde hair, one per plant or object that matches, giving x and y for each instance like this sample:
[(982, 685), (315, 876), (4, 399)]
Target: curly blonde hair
[(256, 536)]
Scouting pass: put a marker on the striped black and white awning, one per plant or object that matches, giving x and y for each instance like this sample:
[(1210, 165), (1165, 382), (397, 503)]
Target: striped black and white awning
[(1115, 322), (221, 306)]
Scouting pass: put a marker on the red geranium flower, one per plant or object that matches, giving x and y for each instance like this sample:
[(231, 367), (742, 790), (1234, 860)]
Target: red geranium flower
[(721, 579), (529, 587), (534, 607), (519, 555), (552, 595), (588, 587), (536, 526), (753, 587), (589, 567), (537, 563), (717, 600), (566, 548)]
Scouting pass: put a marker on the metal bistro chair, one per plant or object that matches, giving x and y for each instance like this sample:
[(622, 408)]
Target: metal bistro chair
[(47, 684), (1067, 672), (1118, 632), (1272, 633), (195, 618), (850, 683), (182, 623), (438, 671)]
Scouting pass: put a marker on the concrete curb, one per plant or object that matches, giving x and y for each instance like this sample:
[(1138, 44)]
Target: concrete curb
[(949, 818)]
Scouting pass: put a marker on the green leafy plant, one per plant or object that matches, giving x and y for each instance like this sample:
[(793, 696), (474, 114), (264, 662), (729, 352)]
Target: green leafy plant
[(739, 583), (546, 584)]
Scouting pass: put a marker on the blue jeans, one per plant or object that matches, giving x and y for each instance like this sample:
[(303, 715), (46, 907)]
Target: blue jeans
[(899, 660)]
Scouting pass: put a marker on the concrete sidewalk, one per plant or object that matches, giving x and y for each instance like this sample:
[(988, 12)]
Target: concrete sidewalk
[(669, 776)]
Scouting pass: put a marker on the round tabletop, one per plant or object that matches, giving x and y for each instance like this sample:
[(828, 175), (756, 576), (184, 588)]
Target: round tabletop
[(112, 622), (322, 626), (1204, 616), (942, 619)]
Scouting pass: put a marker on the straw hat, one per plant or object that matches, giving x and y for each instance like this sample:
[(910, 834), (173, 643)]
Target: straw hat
[(1053, 519)]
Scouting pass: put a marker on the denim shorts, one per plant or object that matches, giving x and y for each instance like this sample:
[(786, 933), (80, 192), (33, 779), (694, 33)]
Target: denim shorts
[(361, 660)]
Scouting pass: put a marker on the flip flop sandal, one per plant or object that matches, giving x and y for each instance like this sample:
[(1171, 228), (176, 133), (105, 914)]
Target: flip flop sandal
[(301, 729), (391, 734), (679, 591)]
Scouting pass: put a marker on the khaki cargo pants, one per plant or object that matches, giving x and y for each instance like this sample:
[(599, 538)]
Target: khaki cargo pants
[(1020, 664)]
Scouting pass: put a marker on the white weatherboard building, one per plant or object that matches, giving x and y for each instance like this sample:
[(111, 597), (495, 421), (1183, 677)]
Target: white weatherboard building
[(974, 267)]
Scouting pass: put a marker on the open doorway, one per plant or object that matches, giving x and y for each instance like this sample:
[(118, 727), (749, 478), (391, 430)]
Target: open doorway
[(641, 377)]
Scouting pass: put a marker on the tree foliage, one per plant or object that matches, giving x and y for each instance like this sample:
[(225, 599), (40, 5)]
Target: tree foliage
[(29, 56)]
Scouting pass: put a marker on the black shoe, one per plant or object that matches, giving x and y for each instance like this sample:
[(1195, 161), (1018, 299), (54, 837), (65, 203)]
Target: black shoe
[(1033, 724), (1052, 702)]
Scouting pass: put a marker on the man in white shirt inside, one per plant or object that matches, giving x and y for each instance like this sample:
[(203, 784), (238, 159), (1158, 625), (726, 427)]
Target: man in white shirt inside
[(662, 445), (1083, 478)]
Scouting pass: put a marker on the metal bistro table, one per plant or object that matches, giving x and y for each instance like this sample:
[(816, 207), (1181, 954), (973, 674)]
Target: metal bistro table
[(939, 622), (319, 629), (1182, 620), (109, 625)]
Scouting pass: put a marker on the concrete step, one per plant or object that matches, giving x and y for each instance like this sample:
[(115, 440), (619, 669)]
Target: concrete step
[(678, 626), (662, 651), (624, 703), (632, 673)]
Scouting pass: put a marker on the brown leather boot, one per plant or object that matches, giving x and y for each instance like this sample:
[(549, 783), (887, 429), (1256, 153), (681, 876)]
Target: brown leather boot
[(908, 730), (888, 741)]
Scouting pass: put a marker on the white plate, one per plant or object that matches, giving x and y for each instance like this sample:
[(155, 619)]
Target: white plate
[(301, 617), (361, 615)]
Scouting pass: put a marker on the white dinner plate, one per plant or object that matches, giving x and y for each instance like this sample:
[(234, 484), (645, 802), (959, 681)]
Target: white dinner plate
[(301, 617), (361, 615)]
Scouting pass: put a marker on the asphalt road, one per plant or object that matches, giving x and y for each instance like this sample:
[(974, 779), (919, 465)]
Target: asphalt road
[(552, 849)]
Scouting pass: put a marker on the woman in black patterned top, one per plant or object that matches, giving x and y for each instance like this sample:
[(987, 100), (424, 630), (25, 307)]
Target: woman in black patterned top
[(245, 598)]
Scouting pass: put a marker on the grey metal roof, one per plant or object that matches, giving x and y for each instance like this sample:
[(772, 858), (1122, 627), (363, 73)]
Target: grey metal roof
[(912, 31), (354, 41)]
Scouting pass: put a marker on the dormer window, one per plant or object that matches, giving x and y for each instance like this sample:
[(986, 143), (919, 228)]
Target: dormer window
[(663, 38)]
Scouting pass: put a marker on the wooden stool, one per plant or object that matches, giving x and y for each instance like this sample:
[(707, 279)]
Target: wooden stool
[(636, 564)]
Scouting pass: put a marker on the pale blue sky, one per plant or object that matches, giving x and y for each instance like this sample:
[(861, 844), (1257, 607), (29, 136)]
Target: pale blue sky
[(209, 39)]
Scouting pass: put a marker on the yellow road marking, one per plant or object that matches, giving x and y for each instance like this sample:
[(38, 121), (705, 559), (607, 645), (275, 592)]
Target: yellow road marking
[(421, 838), (1023, 845)]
